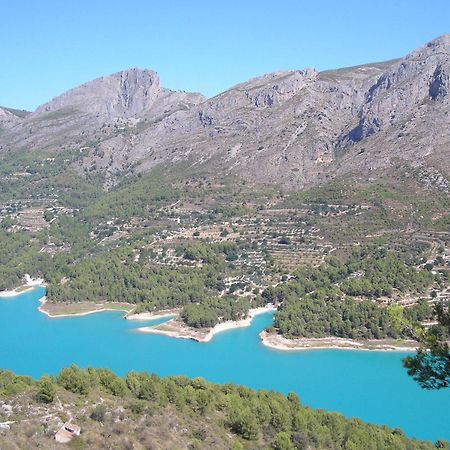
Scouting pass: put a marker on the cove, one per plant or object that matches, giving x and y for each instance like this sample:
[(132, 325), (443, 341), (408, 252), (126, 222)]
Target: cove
[(372, 386)]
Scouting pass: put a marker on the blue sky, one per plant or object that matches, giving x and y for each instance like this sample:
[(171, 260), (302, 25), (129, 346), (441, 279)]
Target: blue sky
[(49, 46)]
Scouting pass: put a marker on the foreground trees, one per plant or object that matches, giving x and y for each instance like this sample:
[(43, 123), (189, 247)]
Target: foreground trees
[(430, 367), (242, 417)]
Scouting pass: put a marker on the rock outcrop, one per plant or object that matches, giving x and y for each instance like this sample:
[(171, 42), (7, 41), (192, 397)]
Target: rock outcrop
[(130, 93), (295, 128)]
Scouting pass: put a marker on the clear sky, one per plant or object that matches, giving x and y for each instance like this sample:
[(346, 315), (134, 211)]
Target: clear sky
[(49, 46)]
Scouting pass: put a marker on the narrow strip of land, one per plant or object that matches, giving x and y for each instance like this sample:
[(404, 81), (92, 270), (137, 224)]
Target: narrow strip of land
[(177, 329), (30, 283), (57, 310), (278, 342)]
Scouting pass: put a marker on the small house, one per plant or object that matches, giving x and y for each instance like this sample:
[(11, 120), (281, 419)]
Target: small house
[(67, 432)]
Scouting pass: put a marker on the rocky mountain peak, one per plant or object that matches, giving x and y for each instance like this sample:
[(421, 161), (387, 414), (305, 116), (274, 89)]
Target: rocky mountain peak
[(404, 89), (122, 94), (278, 87), (294, 128), (439, 43)]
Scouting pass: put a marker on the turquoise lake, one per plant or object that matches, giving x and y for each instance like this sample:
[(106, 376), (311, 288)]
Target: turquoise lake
[(370, 385)]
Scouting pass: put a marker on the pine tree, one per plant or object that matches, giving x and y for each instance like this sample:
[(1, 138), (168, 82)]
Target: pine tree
[(46, 390)]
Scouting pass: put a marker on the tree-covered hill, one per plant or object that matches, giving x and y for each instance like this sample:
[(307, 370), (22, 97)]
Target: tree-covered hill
[(141, 411), (343, 299)]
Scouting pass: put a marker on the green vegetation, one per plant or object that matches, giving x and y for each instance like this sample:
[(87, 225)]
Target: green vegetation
[(430, 367), (17, 257), (317, 316), (119, 275), (181, 238), (45, 176), (335, 299), (45, 390), (116, 276), (208, 253), (211, 311), (135, 197), (212, 416)]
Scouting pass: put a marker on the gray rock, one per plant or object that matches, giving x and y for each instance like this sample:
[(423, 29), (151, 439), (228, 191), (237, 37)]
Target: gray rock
[(294, 128), (7, 409)]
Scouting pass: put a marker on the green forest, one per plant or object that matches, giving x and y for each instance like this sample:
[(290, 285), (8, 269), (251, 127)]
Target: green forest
[(142, 408), (338, 298), (214, 310), (316, 316), (118, 275)]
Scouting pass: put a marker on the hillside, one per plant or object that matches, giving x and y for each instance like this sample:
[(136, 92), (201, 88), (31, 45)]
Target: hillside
[(295, 129), (123, 191), (142, 411)]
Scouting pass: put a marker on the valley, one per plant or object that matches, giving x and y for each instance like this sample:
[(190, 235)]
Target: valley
[(317, 199)]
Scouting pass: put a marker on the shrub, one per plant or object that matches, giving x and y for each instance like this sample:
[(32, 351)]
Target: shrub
[(46, 390), (99, 413)]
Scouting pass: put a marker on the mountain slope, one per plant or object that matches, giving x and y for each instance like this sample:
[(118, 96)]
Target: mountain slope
[(144, 411), (296, 128), (10, 117)]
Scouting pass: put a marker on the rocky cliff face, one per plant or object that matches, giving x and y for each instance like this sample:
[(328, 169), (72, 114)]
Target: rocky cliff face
[(295, 128), (398, 93), (130, 93)]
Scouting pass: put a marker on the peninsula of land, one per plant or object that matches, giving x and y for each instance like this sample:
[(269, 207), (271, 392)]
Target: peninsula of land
[(30, 283), (177, 329), (278, 342), (174, 326)]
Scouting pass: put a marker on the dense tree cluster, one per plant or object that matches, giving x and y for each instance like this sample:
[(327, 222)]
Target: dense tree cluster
[(214, 310), (209, 253), (319, 315), (116, 276), (337, 298), (383, 274), (257, 419), (18, 257)]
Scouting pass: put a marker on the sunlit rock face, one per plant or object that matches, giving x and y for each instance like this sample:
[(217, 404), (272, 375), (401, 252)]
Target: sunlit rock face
[(294, 128)]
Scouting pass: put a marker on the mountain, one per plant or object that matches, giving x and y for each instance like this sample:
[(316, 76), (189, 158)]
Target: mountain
[(327, 191), (10, 117), (295, 128), (126, 94)]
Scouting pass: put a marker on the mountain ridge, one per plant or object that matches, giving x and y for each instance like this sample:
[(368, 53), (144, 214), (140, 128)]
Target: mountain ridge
[(295, 128)]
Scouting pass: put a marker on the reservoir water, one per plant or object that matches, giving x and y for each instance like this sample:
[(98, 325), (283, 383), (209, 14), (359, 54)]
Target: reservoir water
[(370, 385)]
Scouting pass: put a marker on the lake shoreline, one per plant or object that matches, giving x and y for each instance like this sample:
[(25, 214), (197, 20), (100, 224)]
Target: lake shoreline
[(30, 284), (176, 329), (159, 314), (34, 345), (278, 342), (100, 308), (45, 306)]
